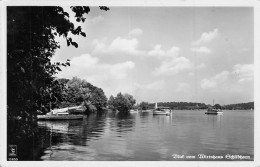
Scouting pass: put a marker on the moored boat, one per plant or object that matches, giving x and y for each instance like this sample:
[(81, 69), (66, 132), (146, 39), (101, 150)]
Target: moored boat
[(134, 111), (212, 110), (59, 117), (161, 110), (68, 113)]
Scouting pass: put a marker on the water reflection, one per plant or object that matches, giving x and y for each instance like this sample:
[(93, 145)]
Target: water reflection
[(124, 123), (93, 127), (137, 136), (29, 139), (144, 114), (78, 132), (214, 120)]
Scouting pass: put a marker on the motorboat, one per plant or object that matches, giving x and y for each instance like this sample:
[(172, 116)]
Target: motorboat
[(213, 110), (161, 110)]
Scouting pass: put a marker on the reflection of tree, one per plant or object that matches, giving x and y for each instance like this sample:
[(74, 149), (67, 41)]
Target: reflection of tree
[(53, 133), (92, 128), (125, 123), (30, 140), (144, 114), (48, 135), (78, 132)]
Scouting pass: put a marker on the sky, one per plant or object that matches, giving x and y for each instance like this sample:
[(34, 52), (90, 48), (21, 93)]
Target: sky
[(165, 54)]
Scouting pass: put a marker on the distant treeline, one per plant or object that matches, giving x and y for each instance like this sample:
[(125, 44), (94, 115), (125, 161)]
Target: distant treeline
[(239, 106), (180, 105), (198, 106)]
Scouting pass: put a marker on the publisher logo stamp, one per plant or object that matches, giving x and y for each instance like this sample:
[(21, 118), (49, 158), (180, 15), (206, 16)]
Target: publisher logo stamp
[(12, 150)]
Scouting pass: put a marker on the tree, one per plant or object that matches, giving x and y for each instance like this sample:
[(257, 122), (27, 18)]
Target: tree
[(98, 99), (31, 33), (110, 103), (130, 99), (90, 108), (123, 103), (77, 91), (217, 106), (144, 105), (80, 92)]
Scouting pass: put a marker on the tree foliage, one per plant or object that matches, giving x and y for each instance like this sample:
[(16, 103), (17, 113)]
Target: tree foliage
[(144, 105), (98, 99), (239, 106), (217, 106), (31, 33), (122, 103), (77, 91), (130, 99), (110, 103), (80, 92), (180, 105)]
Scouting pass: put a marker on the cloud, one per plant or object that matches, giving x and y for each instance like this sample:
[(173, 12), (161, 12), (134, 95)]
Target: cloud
[(206, 37), (84, 61), (135, 32), (107, 76), (215, 80), (183, 87), (159, 53), (157, 85), (245, 72), (118, 45), (200, 66), (171, 62), (124, 45), (201, 49), (173, 66), (96, 19), (100, 45)]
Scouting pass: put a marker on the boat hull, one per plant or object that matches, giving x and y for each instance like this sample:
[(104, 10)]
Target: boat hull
[(134, 111), (214, 113), (161, 113), (59, 117)]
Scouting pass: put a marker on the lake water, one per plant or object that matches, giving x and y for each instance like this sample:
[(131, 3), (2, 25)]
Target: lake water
[(143, 136)]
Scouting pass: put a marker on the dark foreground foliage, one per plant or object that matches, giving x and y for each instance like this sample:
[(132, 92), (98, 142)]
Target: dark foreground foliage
[(31, 82), (31, 32)]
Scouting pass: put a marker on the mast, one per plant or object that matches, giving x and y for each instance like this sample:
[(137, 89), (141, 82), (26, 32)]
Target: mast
[(213, 102)]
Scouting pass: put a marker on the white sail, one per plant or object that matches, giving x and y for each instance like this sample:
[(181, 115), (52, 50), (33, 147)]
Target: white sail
[(156, 105)]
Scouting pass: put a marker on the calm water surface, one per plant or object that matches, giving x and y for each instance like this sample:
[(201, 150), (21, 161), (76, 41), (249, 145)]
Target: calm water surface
[(142, 136)]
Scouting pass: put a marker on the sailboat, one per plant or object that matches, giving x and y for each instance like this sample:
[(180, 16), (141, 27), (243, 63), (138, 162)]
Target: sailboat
[(161, 110), (214, 110)]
